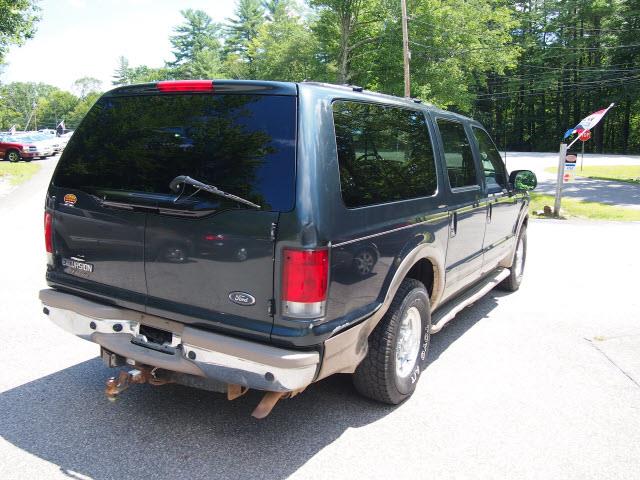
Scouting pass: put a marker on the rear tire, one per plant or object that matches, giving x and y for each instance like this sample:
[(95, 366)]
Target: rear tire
[(513, 281), (398, 347), (13, 156)]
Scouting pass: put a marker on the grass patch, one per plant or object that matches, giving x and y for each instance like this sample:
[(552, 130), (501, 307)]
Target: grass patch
[(571, 207), (618, 173), (18, 173)]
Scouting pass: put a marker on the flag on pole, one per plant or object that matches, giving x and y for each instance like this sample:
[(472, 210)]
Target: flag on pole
[(588, 123), (12, 130)]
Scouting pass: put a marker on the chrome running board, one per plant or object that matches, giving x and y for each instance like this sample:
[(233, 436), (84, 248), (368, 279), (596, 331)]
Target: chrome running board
[(444, 315)]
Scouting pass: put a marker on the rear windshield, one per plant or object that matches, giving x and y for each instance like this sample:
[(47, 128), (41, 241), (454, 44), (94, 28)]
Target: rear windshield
[(242, 144)]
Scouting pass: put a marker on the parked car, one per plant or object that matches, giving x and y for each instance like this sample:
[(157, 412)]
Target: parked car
[(64, 139), (15, 149), (309, 229), (49, 143)]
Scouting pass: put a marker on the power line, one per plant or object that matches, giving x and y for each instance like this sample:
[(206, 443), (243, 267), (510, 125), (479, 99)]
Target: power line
[(608, 80), (541, 76), (561, 88)]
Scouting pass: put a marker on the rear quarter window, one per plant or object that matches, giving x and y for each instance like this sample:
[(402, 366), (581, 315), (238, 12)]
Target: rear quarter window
[(384, 153)]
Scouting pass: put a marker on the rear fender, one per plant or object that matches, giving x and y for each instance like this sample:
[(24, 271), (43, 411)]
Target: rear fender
[(343, 352)]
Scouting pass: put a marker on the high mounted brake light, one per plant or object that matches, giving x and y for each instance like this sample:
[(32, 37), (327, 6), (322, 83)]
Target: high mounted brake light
[(185, 86), (305, 275)]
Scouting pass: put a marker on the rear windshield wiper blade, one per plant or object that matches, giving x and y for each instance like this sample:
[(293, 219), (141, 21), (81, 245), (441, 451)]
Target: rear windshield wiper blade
[(183, 179)]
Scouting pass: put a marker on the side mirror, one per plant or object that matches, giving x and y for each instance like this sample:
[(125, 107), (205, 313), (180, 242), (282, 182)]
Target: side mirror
[(523, 180)]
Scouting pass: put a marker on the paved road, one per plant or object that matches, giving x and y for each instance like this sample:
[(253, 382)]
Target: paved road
[(543, 383), (613, 193)]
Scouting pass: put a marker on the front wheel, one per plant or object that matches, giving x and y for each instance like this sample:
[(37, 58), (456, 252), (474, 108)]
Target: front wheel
[(398, 347), (13, 156), (513, 281)]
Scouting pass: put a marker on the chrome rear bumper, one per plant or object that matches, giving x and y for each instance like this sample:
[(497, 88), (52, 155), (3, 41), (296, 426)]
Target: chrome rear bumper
[(194, 351)]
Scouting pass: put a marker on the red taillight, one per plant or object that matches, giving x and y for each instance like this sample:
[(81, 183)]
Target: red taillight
[(47, 232), (185, 86), (48, 242), (305, 275)]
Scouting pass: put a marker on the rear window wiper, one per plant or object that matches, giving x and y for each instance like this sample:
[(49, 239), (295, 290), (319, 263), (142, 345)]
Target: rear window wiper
[(185, 180)]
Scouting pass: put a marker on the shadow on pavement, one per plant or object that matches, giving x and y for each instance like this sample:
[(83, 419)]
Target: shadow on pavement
[(590, 190), (463, 322), (178, 432)]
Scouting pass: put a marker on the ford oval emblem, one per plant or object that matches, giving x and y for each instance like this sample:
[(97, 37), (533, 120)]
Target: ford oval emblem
[(242, 298)]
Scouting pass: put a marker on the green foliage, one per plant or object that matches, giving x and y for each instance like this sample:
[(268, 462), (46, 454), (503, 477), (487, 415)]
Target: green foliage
[(572, 207), (196, 46), (576, 58), (44, 105), (86, 85), (17, 23), (527, 70), (243, 29), (19, 172), (285, 48)]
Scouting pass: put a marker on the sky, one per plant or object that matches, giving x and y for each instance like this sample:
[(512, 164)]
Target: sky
[(84, 38)]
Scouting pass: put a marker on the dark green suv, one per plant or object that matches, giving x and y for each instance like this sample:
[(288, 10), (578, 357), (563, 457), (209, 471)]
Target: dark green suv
[(242, 234)]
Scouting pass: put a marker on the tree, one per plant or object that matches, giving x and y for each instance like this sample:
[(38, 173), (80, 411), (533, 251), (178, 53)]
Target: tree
[(121, 75), (346, 28), (55, 107), (126, 75), (243, 29), (73, 118), (285, 48), (196, 47), (275, 9), (17, 23), (85, 85)]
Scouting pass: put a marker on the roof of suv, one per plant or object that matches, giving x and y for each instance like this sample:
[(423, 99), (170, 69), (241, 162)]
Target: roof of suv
[(285, 88)]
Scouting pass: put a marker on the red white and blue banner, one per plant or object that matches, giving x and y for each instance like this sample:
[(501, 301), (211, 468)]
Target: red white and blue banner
[(588, 123)]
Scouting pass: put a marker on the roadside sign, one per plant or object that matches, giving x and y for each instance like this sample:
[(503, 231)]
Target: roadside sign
[(569, 168), (584, 136)]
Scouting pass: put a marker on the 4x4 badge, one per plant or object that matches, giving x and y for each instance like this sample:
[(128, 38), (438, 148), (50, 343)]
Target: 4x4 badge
[(242, 298)]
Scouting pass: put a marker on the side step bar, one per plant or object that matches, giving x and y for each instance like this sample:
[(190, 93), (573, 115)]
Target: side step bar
[(443, 315)]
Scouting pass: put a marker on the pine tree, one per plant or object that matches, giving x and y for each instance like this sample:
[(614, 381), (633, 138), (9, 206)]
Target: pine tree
[(244, 28), (121, 75), (194, 39)]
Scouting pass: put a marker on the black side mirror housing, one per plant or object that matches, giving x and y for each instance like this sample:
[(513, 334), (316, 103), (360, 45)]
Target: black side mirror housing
[(523, 180)]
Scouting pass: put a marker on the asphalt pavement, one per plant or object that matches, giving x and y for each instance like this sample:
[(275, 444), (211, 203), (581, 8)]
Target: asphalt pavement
[(584, 189), (542, 383)]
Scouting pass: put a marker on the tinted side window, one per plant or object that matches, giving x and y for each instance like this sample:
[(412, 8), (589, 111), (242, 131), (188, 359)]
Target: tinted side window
[(385, 154), (494, 171), (457, 153)]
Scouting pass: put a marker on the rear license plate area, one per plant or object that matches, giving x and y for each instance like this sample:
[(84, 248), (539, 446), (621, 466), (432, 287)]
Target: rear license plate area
[(155, 339)]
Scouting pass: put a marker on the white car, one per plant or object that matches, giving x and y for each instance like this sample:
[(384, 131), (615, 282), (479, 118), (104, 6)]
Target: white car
[(44, 143)]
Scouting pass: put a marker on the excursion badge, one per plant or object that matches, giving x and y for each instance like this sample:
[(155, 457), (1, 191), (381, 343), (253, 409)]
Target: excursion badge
[(77, 265)]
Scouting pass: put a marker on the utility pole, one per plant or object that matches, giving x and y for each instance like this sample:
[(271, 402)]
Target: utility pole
[(562, 157), (405, 50)]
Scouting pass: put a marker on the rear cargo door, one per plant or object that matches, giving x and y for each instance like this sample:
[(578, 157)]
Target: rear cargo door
[(98, 250), (196, 257), (209, 260)]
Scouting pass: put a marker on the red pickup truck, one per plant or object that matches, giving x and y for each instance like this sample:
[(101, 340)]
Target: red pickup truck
[(15, 149)]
